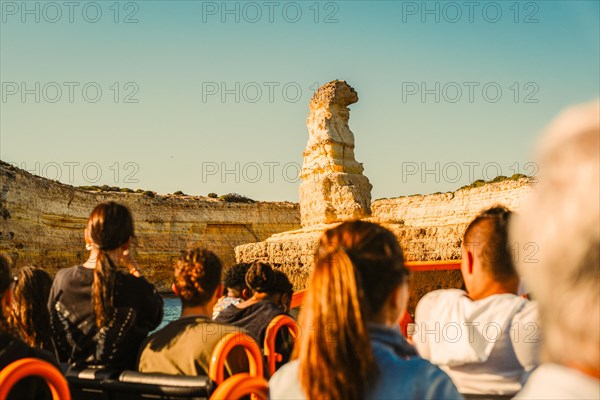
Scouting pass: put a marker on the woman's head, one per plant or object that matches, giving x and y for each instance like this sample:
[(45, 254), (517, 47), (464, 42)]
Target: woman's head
[(359, 276), (29, 312), (374, 254), (197, 277), (110, 227), (235, 281), (282, 291), (260, 278)]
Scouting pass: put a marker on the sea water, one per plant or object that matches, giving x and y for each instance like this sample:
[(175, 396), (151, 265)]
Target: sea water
[(171, 310)]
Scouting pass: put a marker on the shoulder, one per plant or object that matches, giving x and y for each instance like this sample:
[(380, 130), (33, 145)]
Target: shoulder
[(438, 298), (66, 278), (529, 312), (135, 284), (285, 383), (417, 378), (66, 273)]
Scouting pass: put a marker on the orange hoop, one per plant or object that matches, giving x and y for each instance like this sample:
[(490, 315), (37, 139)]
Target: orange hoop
[(25, 367), (270, 352), (216, 369), (240, 385)]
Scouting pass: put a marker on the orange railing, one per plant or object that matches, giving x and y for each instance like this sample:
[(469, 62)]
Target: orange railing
[(270, 352), (14, 372), (216, 369), (240, 385), (414, 266), (420, 266)]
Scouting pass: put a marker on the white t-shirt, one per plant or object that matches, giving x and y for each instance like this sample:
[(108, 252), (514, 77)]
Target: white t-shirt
[(552, 381), (487, 346)]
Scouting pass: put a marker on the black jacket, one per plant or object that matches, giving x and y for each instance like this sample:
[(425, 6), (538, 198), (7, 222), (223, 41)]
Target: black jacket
[(138, 310)]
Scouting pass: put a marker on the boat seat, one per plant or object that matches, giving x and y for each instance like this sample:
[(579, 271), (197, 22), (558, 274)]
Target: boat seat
[(101, 384)]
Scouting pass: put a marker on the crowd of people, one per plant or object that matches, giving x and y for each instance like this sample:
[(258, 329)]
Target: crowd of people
[(488, 338)]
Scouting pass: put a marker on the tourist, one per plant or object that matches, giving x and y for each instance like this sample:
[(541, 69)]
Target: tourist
[(561, 220), (269, 290), (29, 311), (185, 346), (236, 289), (12, 348), (100, 315), (351, 346), (487, 338)]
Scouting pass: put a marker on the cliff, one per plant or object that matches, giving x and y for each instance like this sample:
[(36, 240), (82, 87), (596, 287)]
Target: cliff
[(42, 223)]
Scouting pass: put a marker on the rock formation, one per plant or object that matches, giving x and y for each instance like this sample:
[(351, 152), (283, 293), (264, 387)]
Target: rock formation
[(42, 222), (333, 188)]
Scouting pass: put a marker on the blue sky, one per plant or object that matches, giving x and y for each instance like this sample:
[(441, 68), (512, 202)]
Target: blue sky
[(213, 96)]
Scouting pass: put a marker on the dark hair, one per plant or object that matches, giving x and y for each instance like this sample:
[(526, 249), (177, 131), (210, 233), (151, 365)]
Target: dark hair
[(260, 277), (5, 279), (197, 276), (357, 266), (5, 282), (487, 235), (110, 226), (281, 283), (235, 276), (29, 314)]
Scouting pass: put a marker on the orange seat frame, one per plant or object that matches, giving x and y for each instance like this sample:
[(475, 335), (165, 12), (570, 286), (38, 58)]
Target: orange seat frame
[(26, 367), (216, 369), (270, 352)]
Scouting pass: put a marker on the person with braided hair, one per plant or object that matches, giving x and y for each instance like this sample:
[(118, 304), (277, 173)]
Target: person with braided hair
[(185, 346), (99, 315), (272, 294)]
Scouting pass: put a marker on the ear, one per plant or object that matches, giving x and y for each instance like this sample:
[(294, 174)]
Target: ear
[(127, 244), (246, 293), (470, 261), (175, 290)]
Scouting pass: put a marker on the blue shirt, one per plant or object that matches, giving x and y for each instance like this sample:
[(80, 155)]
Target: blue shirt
[(402, 373)]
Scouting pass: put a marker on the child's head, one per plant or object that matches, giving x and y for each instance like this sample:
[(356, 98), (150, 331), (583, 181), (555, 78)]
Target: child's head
[(235, 281)]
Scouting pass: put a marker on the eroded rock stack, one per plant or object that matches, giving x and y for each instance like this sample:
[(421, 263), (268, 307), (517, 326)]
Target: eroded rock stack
[(333, 188)]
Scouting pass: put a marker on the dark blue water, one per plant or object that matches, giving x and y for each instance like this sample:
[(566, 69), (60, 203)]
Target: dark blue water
[(172, 310)]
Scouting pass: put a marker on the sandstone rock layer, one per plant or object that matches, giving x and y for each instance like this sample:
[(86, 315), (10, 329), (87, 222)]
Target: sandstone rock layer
[(333, 188), (42, 222)]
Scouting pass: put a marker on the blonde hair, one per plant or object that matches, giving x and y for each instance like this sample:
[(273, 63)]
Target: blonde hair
[(561, 221), (358, 265)]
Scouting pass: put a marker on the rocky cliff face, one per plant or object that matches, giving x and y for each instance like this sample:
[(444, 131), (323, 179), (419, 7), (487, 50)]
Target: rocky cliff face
[(428, 227), (333, 188), (42, 222)]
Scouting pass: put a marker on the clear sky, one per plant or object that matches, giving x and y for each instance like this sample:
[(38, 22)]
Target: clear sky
[(213, 96)]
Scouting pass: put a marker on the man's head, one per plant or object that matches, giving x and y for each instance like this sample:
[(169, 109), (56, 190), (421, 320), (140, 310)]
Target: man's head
[(235, 281), (562, 218), (198, 278), (487, 266)]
